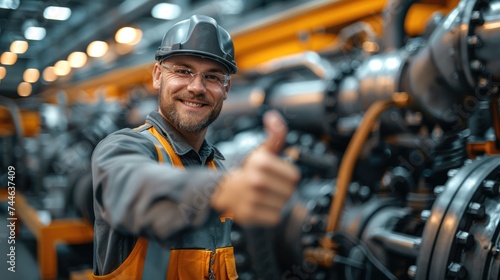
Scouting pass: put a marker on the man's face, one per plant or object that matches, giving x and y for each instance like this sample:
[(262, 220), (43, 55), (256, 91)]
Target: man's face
[(190, 103)]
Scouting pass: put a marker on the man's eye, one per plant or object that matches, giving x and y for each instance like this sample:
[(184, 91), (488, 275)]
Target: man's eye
[(213, 77), (183, 72)]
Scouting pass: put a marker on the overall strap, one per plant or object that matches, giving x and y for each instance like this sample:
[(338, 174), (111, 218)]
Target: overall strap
[(163, 147), (174, 158), (145, 130), (157, 257)]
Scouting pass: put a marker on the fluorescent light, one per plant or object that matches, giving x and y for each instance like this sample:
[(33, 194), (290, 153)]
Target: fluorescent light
[(9, 4), (24, 89), (8, 58), (3, 72), (19, 46), (62, 68), (57, 13), (231, 7), (77, 59), (31, 75), (128, 35), (34, 33), (166, 11), (49, 74), (97, 49)]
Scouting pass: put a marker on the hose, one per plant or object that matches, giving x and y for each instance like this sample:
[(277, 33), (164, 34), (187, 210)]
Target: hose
[(350, 157)]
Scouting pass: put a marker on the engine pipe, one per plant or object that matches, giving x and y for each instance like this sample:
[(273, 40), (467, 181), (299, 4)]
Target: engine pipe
[(397, 242), (394, 18), (351, 155)]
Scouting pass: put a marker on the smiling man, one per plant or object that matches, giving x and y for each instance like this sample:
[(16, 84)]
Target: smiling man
[(163, 201)]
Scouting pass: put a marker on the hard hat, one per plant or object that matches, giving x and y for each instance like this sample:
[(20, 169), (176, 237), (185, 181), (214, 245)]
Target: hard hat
[(200, 36)]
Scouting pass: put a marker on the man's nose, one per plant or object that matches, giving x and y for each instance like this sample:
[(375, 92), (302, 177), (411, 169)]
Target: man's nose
[(197, 84)]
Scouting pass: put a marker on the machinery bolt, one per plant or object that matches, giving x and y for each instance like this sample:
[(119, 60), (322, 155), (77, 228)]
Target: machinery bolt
[(495, 250), (464, 238), (476, 210), (476, 17), (491, 188), (316, 222), (483, 82), (412, 271), (438, 190), (424, 215), (364, 193), (476, 65), (456, 270), (452, 172), (473, 41), (321, 204), (308, 240), (494, 89)]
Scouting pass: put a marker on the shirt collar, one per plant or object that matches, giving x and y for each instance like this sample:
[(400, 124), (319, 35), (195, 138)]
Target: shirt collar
[(178, 142)]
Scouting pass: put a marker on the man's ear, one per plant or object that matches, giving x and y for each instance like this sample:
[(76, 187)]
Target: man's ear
[(156, 76)]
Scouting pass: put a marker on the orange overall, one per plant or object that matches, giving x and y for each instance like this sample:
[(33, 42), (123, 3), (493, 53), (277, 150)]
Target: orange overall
[(149, 258)]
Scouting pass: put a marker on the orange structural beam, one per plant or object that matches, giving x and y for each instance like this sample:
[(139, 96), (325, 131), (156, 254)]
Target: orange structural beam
[(314, 26), (30, 122), (298, 29), (68, 231), (475, 149), (113, 85)]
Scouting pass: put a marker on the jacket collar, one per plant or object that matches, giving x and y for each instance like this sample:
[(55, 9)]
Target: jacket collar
[(178, 142)]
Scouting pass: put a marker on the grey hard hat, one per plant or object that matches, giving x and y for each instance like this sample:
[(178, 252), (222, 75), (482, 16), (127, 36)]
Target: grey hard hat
[(200, 36)]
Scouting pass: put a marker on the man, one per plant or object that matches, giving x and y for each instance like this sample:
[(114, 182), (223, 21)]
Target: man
[(163, 202)]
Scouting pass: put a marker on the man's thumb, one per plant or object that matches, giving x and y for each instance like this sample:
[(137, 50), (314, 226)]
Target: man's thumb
[(276, 129)]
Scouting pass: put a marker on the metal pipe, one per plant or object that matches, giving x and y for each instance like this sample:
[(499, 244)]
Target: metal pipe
[(394, 17), (397, 242)]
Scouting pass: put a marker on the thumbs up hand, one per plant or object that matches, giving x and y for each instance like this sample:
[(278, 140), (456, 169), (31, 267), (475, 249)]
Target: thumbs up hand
[(256, 192)]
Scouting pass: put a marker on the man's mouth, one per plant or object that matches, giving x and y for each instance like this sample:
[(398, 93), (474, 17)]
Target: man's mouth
[(192, 104)]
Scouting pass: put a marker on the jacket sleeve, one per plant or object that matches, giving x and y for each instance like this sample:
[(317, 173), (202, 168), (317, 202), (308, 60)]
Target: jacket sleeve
[(136, 195)]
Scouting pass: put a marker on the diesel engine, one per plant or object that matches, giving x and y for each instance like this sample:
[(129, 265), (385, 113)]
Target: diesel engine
[(397, 140)]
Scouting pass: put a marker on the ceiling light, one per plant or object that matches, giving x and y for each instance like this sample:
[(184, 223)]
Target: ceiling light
[(97, 49), (62, 68), (49, 75), (8, 58), (31, 75), (231, 7), (77, 59), (19, 46), (24, 89), (9, 4), (166, 11), (35, 33), (128, 35), (57, 13), (3, 72)]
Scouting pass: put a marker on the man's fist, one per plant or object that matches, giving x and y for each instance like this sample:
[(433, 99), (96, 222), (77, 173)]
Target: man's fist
[(256, 192)]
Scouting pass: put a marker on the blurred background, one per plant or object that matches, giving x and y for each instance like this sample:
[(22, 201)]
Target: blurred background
[(74, 71)]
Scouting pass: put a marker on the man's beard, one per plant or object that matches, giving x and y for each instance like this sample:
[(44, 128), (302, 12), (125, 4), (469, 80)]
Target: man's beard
[(169, 111)]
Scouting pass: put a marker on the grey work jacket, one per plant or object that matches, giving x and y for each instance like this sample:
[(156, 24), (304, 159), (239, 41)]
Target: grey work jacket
[(135, 196)]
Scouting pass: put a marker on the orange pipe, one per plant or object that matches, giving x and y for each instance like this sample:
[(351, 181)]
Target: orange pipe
[(351, 155)]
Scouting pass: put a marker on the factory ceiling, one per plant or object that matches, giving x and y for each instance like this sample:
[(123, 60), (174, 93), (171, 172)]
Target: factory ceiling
[(55, 29)]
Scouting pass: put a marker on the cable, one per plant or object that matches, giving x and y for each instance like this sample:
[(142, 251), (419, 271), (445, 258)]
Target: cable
[(369, 255)]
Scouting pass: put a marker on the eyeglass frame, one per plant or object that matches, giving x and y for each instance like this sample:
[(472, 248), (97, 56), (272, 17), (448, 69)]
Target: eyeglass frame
[(224, 78)]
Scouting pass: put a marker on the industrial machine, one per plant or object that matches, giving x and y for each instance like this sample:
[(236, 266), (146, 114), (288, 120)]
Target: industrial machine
[(397, 138)]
